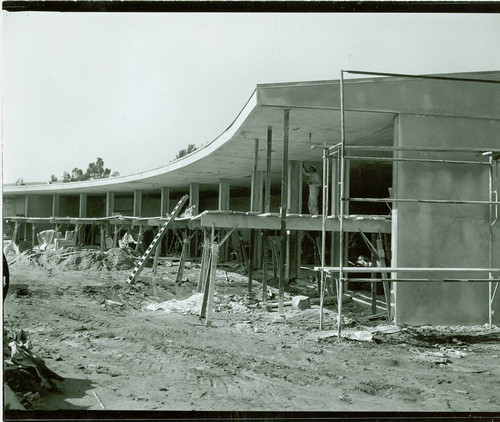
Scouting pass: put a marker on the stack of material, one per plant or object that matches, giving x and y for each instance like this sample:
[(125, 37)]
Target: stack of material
[(24, 371)]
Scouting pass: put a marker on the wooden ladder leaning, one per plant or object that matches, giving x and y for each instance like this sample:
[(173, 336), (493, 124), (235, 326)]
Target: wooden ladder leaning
[(149, 251)]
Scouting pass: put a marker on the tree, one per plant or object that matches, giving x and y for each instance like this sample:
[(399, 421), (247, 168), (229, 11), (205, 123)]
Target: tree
[(184, 151), (76, 175), (94, 171)]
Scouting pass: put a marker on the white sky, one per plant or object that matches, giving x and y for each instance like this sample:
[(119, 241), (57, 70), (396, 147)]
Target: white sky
[(135, 88)]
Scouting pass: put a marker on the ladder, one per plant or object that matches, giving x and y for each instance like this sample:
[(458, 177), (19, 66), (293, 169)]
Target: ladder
[(149, 251)]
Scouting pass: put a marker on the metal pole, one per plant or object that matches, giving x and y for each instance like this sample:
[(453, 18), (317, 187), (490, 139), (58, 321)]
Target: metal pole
[(323, 233), (284, 200), (490, 244), (341, 207)]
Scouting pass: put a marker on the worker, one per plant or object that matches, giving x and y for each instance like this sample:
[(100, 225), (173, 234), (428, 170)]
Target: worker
[(314, 182)]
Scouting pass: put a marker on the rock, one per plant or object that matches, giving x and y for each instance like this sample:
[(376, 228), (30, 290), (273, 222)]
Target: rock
[(301, 302)]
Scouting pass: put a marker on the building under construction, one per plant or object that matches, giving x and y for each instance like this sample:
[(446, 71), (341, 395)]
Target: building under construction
[(409, 168)]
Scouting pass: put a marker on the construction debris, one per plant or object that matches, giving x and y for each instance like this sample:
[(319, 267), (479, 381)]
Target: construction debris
[(25, 372)]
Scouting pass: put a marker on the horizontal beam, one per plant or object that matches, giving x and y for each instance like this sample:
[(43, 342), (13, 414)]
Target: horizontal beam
[(417, 160), (423, 201), (422, 280), (271, 221), (476, 150), (403, 269)]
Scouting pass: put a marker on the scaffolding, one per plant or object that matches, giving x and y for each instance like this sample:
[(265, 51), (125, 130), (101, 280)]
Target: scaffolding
[(340, 152)]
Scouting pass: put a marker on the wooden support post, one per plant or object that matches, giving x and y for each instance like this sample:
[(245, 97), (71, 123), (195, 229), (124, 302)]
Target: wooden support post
[(250, 262), (139, 237), (165, 210), (294, 197), (33, 231), (180, 271), (267, 199), (137, 203), (274, 256), (211, 285), (373, 285), (381, 262), (16, 230), (194, 201), (206, 282), (204, 261), (284, 191), (103, 237), (157, 255), (287, 258), (243, 252), (264, 265)]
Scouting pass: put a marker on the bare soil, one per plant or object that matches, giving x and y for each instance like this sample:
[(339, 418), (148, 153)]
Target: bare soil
[(116, 352)]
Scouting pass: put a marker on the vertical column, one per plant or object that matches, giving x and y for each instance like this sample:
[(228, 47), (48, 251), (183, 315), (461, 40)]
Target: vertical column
[(164, 211), (82, 213), (294, 206), (194, 199), (255, 187), (26, 214), (224, 194), (110, 204), (335, 201), (267, 199), (284, 201), (165, 202), (137, 203), (224, 197), (194, 196), (55, 205)]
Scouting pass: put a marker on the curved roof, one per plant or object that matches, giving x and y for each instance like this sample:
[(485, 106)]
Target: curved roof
[(370, 104)]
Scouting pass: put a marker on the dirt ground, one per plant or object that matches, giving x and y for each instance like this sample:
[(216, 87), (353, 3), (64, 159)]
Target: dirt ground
[(143, 347)]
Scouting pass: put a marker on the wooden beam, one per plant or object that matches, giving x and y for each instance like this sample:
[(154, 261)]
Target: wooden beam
[(267, 199), (211, 286), (294, 206), (284, 203), (294, 222), (137, 203)]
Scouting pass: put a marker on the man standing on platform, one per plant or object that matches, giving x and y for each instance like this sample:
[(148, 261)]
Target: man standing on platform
[(314, 182)]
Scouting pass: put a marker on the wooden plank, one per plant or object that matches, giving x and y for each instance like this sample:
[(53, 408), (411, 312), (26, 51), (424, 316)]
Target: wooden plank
[(251, 262), (294, 222), (204, 261), (211, 286), (180, 271), (284, 203), (140, 265), (265, 255)]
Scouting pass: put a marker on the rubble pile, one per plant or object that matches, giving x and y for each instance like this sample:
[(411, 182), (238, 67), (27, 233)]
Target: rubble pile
[(24, 372), (77, 259)]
